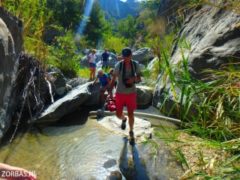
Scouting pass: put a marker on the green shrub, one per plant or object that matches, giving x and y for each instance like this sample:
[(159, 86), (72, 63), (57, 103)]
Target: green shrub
[(64, 55), (209, 108)]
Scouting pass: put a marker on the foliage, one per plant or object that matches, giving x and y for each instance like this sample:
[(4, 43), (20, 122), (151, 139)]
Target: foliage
[(127, 28), (34, 15), (232, 5), (115, 44), (65, 13), (200, 158), (64, 55), (208, 108), (96, 27), (161, 47)]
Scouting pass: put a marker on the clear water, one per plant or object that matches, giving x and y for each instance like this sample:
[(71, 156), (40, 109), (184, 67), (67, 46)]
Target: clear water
[(86, 151)]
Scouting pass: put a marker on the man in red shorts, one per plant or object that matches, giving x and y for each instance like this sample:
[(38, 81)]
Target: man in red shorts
[(127, 73)]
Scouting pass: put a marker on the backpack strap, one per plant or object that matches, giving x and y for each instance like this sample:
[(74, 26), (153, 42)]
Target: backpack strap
[(134, 66)]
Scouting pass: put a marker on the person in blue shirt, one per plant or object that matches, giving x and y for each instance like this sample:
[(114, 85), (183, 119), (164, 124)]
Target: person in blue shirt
[(105, 57), (104, 81)]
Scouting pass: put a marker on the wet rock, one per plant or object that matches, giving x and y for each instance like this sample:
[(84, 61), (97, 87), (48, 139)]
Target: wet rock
[(76, 82), (110, 163), (142, 128), (115, 175), (58, 81), (10, 47), (32, 88), (213, 35), (66, 105), (15, 27), (143, 55), (94, 90), (144, 96)]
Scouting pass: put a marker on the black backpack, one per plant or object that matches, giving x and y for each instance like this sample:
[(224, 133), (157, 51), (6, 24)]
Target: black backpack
[(133, 68)]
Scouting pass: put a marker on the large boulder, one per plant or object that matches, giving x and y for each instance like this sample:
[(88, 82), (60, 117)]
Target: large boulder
[(213, 37), (144, 96), (33, 89), (143, 55), (66, 105), (58, 81), (76, 82), (10, 47)]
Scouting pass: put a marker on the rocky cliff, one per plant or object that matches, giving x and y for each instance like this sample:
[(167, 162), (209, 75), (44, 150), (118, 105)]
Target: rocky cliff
[(212, 36), (24, 87), (10, 47)]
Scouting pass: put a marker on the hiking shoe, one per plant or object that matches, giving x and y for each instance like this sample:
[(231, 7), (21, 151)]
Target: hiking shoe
[(123, 125), (131, 138)]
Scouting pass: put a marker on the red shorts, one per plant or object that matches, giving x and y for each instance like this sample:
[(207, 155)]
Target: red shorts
[(129, 100)]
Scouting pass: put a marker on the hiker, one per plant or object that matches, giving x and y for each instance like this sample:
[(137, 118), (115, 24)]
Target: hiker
[(92, 64), (104, 80), (127, 73), (105, 57), (110, 74)]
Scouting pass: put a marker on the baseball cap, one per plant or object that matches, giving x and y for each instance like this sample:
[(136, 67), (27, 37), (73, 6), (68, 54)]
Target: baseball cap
[(126, 52)]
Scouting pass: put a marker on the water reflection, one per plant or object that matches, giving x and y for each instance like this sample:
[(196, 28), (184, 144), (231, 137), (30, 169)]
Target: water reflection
[(130, 163)]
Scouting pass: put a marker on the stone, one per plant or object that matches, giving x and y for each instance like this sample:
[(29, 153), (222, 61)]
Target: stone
[(144, 96), (58, 81), (143, 55), (109, 163), (76, 82), (142, 128), (66, 105), (213, 38), (115, 175), (94, 90), (34, 91), (10, 48)]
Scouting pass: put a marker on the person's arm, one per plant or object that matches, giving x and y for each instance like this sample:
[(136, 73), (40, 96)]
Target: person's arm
[(115, 74), (94, 82), (113, 80)]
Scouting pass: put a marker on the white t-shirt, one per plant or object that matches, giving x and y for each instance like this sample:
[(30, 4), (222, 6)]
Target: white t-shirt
[(92, 58)]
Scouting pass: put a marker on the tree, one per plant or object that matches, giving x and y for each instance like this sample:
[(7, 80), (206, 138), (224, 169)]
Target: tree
[(66, 13), (127, 28), (97, 26)]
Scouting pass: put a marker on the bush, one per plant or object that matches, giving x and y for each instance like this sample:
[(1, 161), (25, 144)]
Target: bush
[(209, 108), (64, 55), (115, 43)]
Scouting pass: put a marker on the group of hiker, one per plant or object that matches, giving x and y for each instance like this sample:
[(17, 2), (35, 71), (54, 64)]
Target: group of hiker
[(123, 76)]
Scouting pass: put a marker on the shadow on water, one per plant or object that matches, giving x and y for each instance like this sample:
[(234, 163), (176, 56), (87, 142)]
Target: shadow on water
[(130, 163)]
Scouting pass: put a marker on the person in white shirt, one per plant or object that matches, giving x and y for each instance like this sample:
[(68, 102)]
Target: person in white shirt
[(92, 64)]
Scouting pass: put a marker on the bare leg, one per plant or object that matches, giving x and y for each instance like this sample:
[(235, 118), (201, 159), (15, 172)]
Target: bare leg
[(131, 119), (120, 115), (93, 73), (90, 74)]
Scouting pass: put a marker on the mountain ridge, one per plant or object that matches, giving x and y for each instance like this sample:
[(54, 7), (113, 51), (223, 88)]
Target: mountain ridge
[(118, 9)]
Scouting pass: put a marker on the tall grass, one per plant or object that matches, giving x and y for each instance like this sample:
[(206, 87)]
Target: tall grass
[(209, 107)]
